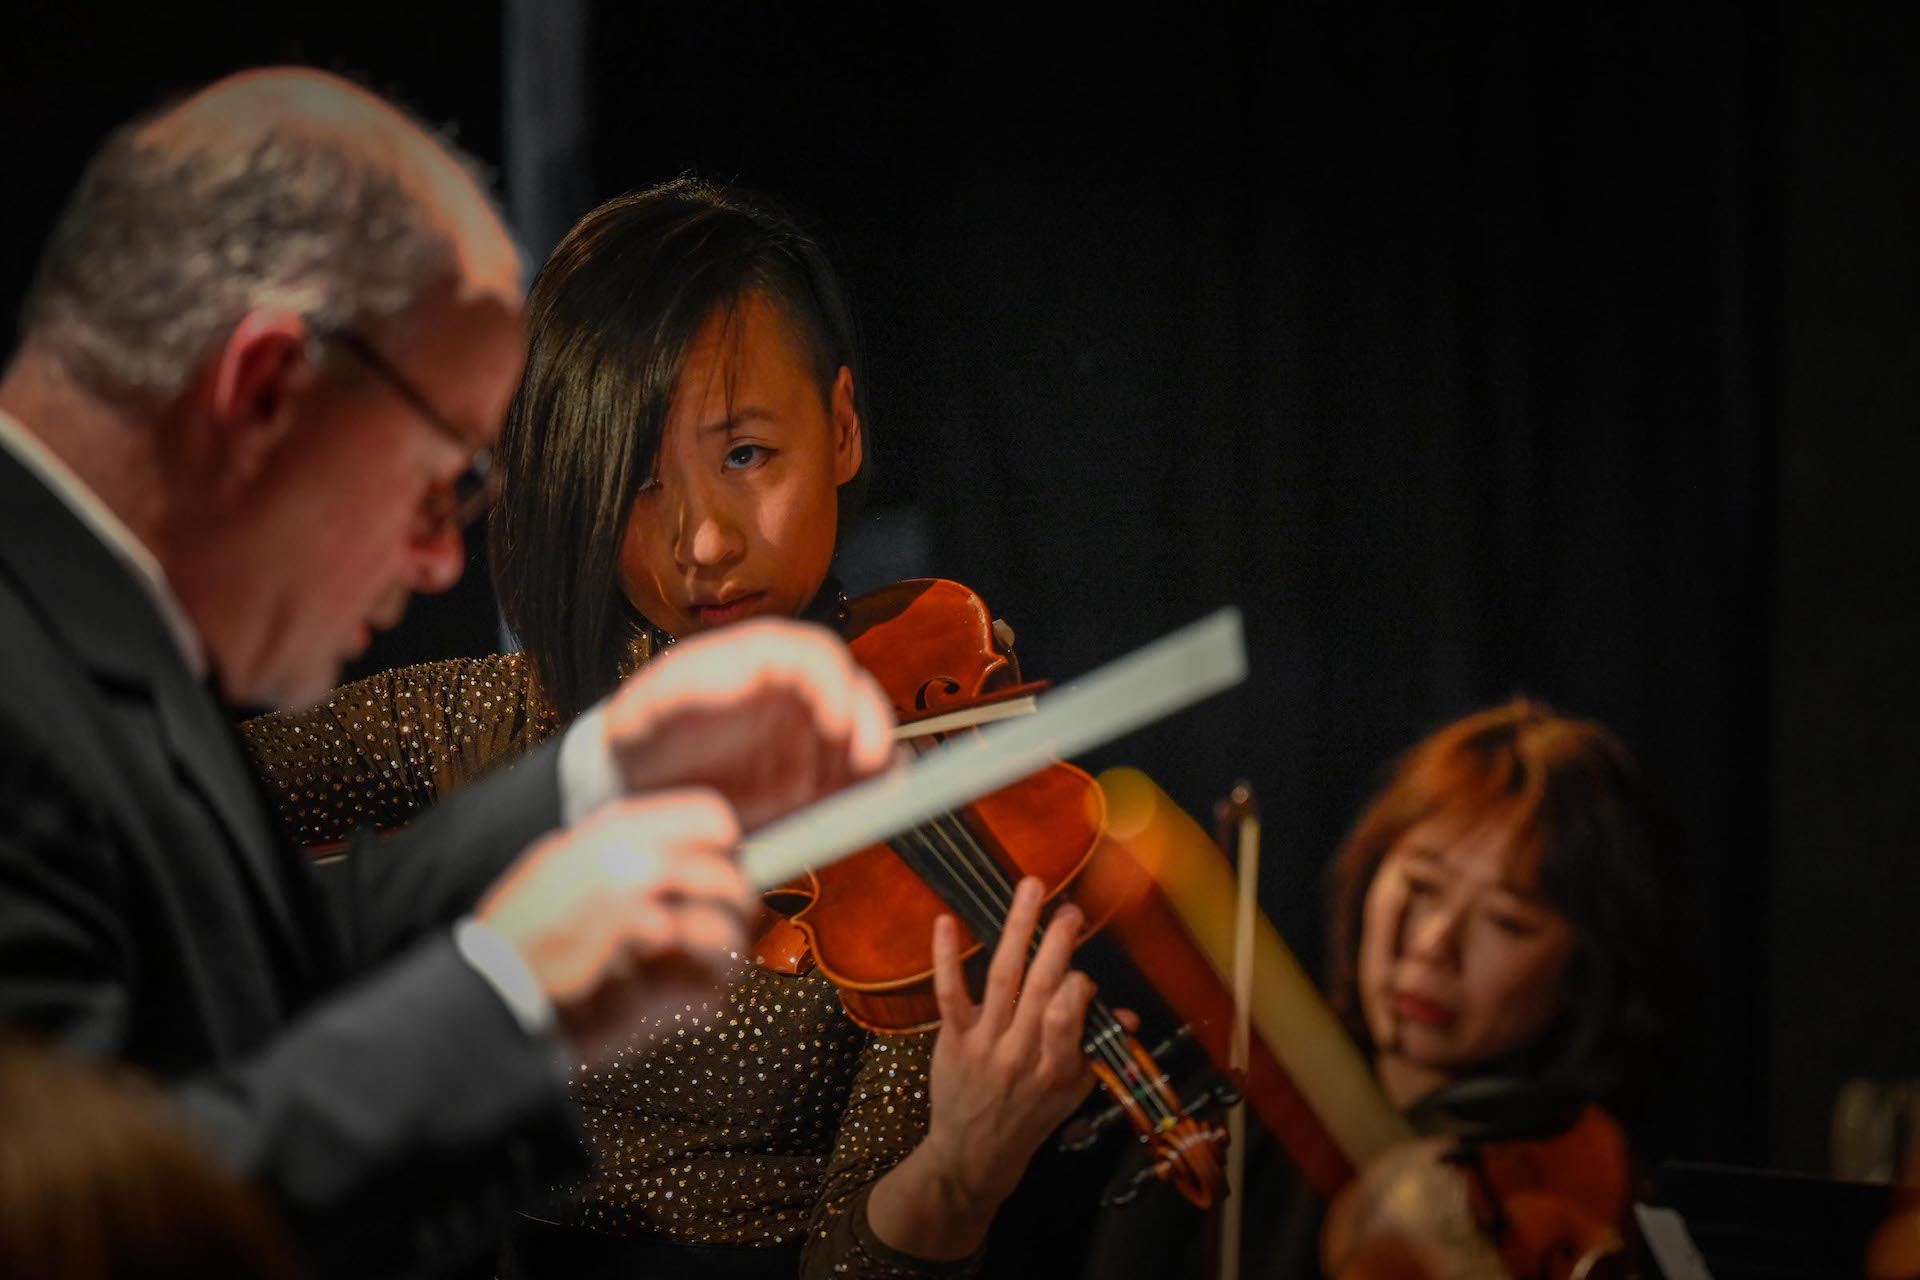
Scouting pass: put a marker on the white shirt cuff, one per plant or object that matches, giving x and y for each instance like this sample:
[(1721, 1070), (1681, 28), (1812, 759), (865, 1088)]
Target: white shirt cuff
[(588, 777), (487, 950)]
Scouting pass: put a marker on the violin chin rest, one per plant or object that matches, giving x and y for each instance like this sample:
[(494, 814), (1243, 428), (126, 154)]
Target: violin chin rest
[(781, 947)]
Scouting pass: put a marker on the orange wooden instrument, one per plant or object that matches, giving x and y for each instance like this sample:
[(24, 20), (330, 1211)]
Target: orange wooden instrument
[(1545, 1206), (867, 918)]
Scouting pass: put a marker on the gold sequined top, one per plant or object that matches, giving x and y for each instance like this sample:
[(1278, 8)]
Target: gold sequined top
[(760, 1120)]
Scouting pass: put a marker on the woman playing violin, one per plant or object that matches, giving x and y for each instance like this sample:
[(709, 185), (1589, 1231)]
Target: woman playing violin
[(1493, 928), (1494, 933), (687, 442)]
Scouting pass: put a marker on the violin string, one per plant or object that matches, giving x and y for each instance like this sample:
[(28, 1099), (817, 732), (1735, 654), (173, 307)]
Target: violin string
[(950, 873), (957, 870), (987, 887), (963, 876), (963, 860)]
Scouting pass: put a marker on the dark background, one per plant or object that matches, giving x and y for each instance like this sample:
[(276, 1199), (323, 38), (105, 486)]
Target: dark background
[(1468, 355)]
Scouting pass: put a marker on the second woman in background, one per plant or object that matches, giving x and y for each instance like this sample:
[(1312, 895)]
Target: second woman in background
[(685, 447), (1495, 924)]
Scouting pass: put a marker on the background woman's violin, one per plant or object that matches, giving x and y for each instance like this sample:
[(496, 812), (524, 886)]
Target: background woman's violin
[(1520, 1182), (935, 648)]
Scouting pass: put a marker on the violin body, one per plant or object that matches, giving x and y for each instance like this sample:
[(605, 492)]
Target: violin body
[(932, 646), (885, 976), (1547, 1207)]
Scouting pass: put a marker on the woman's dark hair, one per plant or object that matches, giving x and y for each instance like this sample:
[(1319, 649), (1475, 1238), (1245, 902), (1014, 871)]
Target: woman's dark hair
[(1568, 794), (612, 315)]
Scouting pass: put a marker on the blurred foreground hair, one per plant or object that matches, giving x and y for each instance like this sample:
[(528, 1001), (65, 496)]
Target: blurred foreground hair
[(99, 1181)]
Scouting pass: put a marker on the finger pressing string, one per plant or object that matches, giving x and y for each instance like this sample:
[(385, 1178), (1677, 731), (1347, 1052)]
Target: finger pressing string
[(1049, 970), (1010, 957), (949, 984)]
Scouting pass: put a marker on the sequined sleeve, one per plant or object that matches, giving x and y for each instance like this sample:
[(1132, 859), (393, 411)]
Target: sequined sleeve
[(379, 751), (886, 1117)]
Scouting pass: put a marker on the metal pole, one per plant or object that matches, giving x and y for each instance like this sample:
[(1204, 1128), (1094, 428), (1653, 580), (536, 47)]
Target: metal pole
[(547, 132), (546, 128)]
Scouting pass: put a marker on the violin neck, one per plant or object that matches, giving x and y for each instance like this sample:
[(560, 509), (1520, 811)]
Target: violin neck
[(972, 883), (944, 853), (1103, 1027)]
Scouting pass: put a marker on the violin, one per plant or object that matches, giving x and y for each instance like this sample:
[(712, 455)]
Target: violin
[(936, 650), (1518, 1177)]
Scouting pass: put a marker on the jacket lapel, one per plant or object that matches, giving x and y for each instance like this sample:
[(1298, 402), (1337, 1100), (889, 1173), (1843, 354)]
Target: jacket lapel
[(208, 755), (87, 597)]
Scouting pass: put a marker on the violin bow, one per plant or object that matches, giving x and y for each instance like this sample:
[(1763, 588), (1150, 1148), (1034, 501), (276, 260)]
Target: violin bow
[(1237, 826)]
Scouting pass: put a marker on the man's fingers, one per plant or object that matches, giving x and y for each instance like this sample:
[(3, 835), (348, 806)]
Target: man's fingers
[(772, 713), (656, 922), (643, 876), (658, 821), (710, 934), (766, 656), (640, 878), (870, 745), (673, 845)]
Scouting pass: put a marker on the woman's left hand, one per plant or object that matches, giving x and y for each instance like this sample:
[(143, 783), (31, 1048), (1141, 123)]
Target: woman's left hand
[(1005, 1073)]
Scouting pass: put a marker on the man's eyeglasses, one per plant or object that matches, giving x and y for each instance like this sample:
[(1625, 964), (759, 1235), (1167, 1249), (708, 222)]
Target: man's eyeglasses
[(473, 491)]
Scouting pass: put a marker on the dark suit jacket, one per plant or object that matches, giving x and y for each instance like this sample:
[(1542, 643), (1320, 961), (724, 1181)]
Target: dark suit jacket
[(323, 1030)]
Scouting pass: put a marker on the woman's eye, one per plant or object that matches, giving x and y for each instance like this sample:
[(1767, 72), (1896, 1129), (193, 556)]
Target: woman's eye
[(1516, 926), (1417, 884), (742, 456)]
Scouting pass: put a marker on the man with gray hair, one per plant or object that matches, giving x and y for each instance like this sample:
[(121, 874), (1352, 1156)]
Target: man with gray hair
[(262, 368)]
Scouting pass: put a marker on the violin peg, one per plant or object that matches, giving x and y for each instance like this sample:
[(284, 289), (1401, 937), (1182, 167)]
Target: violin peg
[(1083, 1131), (1129, 1191), (1175, 1038)]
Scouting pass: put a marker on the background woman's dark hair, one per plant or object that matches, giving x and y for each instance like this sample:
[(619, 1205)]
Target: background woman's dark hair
[(612, 315), (1569, 792)]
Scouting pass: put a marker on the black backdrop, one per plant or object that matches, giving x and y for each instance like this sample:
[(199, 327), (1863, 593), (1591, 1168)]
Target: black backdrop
[(1467, 355)]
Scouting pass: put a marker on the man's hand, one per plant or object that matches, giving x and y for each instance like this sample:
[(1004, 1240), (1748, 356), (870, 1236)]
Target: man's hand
[(772, 714), (637, 909)]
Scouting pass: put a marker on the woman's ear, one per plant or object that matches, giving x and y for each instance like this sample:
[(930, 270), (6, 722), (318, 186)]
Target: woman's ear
[(252, 387), (849, 444)]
